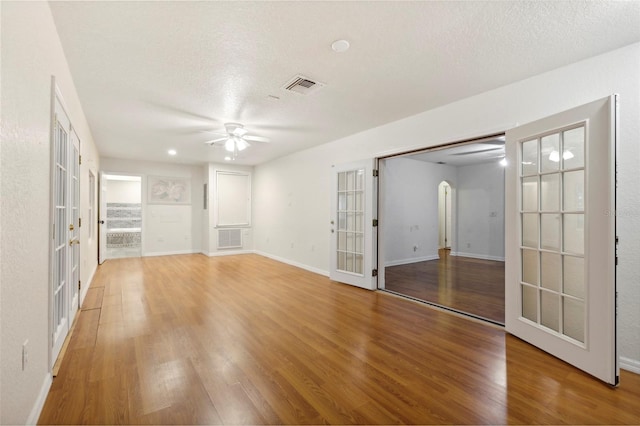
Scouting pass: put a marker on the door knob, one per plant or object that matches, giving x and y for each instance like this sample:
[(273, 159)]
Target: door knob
[(101, 222)]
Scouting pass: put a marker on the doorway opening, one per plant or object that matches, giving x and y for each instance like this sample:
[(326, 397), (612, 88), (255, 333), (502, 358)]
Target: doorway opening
[(444, 215), (121, 218), (452, 256)]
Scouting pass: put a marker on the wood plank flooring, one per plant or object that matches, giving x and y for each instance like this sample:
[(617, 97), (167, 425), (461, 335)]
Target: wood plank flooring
[(468, 285), (247, 340)]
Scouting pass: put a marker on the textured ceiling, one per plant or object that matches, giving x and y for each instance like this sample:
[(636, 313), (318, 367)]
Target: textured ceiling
[(153, 75), (490, 150)]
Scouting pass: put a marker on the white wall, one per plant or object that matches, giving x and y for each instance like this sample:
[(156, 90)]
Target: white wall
[(410, 203), (410, 215), (124, 191), (166, 228), (292, 193), (480, 211), (29, 59)]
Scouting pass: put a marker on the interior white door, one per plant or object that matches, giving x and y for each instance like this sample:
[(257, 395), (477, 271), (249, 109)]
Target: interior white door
[(560, 267), (60, 293), (352, 230), (102, 218), (74, 225)]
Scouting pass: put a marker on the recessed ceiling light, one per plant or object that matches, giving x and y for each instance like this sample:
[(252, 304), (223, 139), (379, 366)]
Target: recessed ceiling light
[(227, 158), (172, 152), (503, 162), (340, 46)]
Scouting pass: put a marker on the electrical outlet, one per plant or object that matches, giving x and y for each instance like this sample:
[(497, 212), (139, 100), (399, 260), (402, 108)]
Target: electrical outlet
[(415, 248), (25, 354)]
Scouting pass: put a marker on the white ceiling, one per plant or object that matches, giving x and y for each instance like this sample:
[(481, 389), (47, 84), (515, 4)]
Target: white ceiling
[(152, 75), (484, 151)]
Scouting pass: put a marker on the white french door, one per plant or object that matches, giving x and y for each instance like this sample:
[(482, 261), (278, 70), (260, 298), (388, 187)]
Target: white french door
[(560, 292), (65, 253), (352, 230), (102, 219), (74, 225)]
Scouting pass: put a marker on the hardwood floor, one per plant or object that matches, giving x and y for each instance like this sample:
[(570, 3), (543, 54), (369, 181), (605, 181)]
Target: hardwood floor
[(247, 340), (468, 285)]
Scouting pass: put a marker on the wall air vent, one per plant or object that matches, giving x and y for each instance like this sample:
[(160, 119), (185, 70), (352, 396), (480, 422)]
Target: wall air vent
[(229, 238), (302, 85)]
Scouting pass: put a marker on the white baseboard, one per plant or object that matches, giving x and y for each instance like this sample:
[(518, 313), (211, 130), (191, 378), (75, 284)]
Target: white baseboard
[(34, 415), (228, 252), (170, 253), (629, 364), (412, 260), (477, 256), (294, 263)]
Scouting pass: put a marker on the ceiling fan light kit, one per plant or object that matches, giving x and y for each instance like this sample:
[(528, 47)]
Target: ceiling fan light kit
[(236, 139)]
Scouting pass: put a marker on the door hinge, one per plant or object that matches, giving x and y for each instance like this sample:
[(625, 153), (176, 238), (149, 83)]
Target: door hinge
[(79, 159), (374, 273), (375, 222), (79, 285), (375, 173), (79, 222), (54, 232)]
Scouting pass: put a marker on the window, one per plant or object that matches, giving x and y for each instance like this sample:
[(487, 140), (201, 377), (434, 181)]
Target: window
[(233, 199)]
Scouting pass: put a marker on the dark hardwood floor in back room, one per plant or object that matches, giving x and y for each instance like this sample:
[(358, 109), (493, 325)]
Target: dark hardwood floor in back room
[(468, 285), (247, 340)]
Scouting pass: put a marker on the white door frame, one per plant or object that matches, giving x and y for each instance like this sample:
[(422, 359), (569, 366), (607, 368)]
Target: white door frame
[(102, 218), (64, 225)]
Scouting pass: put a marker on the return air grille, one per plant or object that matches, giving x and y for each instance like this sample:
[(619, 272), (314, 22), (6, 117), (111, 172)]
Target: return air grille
[(302, 85), (229, 238)]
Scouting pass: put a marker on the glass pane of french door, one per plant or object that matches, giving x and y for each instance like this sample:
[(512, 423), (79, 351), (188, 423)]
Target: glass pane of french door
[(350, 228), (552, 230), (60, 262)]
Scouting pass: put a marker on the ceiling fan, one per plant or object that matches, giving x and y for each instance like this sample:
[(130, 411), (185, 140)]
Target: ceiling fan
[(235, 139)]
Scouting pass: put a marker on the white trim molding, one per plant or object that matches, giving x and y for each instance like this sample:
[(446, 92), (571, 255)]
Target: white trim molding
[(629, 364), (411, 260), (170, 253), (223, 252), (293, 263), (38, 405), (477, 256)]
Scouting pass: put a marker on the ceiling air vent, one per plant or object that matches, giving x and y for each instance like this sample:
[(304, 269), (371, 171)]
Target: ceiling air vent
[(302, 85)]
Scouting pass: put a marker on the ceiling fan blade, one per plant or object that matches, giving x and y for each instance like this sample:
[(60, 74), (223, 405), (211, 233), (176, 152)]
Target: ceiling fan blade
[(256, 138), (211, 132), (216, 140)]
